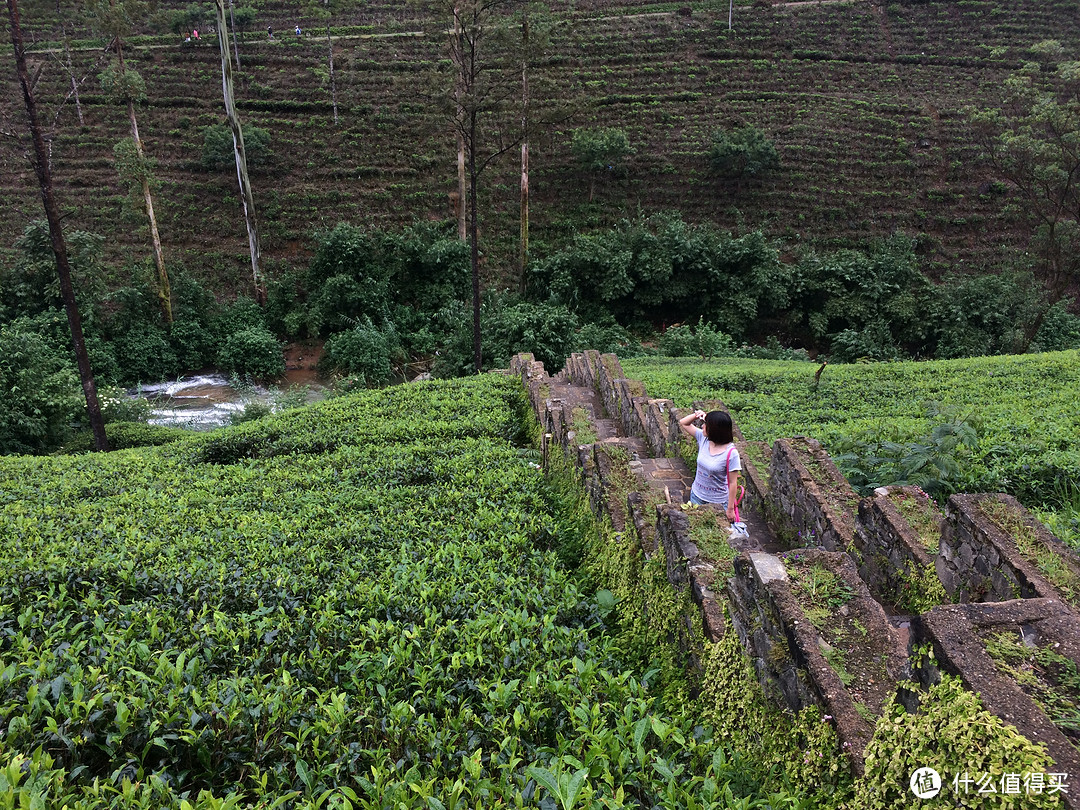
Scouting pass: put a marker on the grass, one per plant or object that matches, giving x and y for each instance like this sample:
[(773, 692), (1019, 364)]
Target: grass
[(1056, 570), (922, 516)]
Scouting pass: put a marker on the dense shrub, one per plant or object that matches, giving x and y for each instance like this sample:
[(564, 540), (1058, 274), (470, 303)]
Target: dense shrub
[(193, 345), (1060, 330), (242, 313), (253, 351), (430, 267), (543, 329), (364, 351), (605, 338), (218, 151), (348, 280), (872, 301), (597, 150), (656, 271), (506, 328), (32, 286), (742, 153), (702, 341), (144, 354), (980, 315), (40, 396)]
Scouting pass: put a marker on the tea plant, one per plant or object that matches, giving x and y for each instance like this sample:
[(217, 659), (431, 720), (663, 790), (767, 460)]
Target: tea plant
[(362, 603)]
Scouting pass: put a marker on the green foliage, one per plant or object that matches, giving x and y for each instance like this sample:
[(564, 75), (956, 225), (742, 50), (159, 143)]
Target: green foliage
[(546, 330), (1060, 329), (348, 280), (662, 270), (703, 340), (144, 354), (1046, 676), (244, 17), (32, 286), (1026, 427), (40, 397), (801, 749), (869, 302), (134, 170), (932, 462), (599, 150), (953, 734), (124, 435), (1034, 143), (363, 350), (359, 601), (218, 151), (122, 85), (979, 315), (253, 352), (742, 153), (609, 338)]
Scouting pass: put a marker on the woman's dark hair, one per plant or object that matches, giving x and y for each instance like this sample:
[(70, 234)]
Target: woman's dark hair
[(718, 427)]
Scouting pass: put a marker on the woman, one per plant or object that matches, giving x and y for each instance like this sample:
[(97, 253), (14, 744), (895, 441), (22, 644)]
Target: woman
[(718, 461)]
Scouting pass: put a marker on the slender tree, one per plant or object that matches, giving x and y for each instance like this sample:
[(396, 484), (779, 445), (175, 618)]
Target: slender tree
[(56, 234), (241, 157), (124, 85), (523, 252), (483, 117), (1033, 143), (325, 10)]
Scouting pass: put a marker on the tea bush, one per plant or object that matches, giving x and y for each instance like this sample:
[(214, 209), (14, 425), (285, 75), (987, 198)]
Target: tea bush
[(359, 603), (1021, 408), (217, 148)]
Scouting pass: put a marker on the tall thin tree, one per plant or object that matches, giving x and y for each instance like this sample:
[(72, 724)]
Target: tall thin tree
[(56, 234), (246, 196), (116, 18), (483, 119)]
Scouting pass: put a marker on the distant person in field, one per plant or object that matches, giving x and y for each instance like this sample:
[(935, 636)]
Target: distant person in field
[(298, 31), (195, 34), (270, 31), (718, 462)]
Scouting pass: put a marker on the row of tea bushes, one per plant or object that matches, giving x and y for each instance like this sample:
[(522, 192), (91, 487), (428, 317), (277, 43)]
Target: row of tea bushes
[(1013, 417), (359, 604)]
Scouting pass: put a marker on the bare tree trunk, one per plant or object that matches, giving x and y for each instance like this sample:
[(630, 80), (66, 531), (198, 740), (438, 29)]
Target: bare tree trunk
[(461, 187), (164, 291), (236, 46), (164, 288), (241, 157), (333, 78), (458, 90), (474, 246), (74, 84), (63, 268), (524, 258)]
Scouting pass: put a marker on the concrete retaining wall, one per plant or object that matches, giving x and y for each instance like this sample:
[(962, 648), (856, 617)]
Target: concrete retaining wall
[(957, 632), (888, 551), (816, 518), (980, 563)]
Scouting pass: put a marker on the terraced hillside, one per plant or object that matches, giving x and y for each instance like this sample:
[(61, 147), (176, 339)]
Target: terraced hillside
[(864, 102)]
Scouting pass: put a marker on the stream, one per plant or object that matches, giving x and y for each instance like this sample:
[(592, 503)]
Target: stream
[(207, 401)]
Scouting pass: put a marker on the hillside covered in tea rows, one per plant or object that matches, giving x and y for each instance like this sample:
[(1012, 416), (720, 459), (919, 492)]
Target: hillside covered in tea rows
[(865, 104)]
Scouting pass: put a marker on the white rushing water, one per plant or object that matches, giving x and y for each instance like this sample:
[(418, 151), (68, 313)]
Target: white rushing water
[(202, 402)]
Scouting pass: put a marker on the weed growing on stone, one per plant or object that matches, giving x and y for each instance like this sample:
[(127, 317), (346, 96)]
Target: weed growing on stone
[(1056, 570), (1045, 675)]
